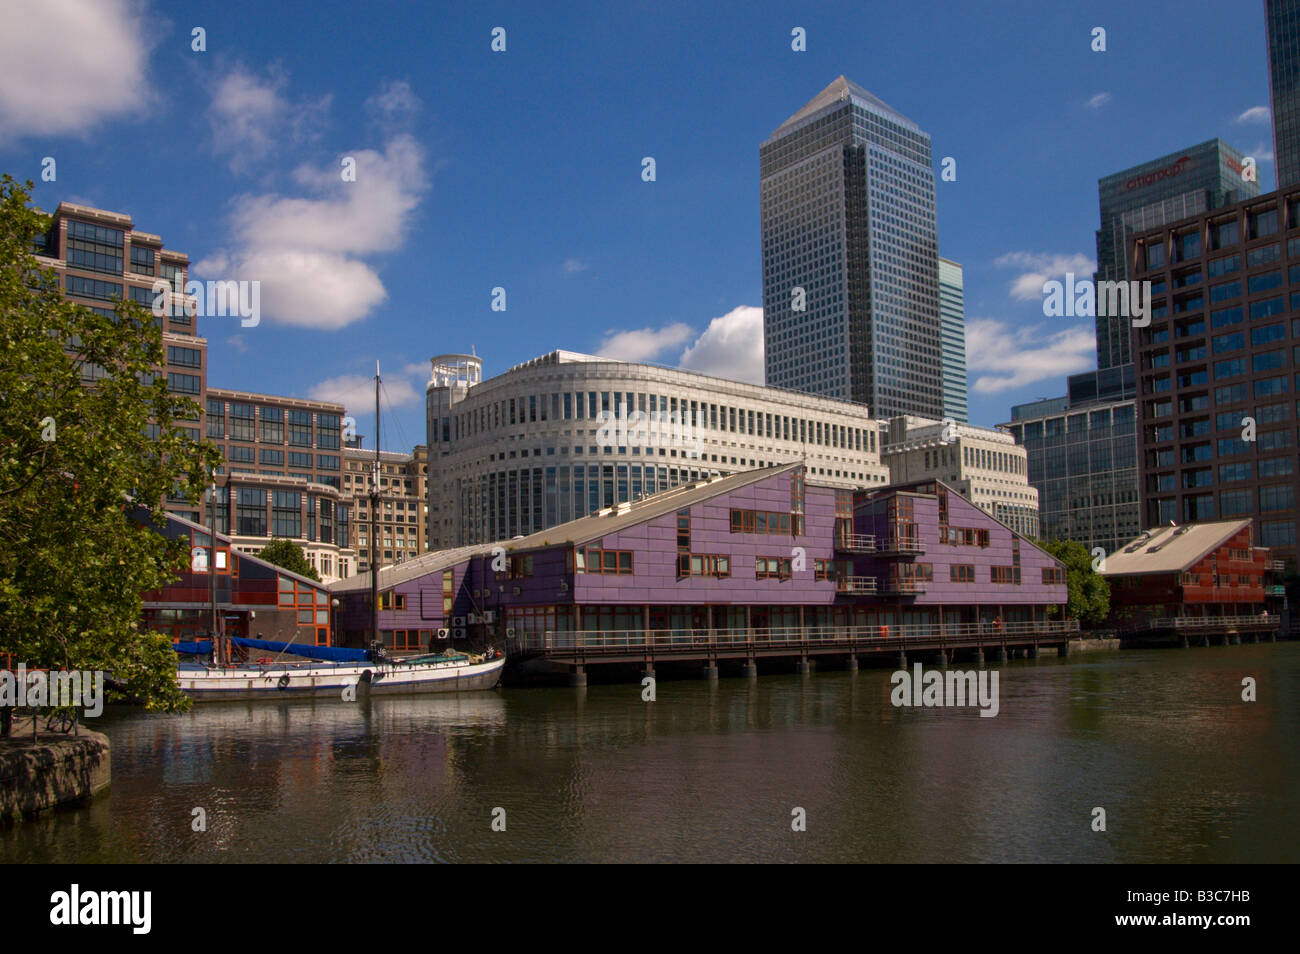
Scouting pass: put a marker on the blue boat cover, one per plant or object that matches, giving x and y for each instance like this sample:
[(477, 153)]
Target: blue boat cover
[(333, 653)]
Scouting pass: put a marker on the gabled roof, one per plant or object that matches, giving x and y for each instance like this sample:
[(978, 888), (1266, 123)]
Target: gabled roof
[(1171, 549), (583, 530), (841, 90), (237, 554)]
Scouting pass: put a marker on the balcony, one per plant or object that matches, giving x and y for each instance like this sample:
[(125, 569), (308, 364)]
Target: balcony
[(900, 547), (856, 585), (895, 587), (855, 543)]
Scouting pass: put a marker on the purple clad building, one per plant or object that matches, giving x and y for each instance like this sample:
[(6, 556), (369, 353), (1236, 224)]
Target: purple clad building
[(761, 558)]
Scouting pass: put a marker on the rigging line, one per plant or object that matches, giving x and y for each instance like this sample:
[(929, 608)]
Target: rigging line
[(396, 424)]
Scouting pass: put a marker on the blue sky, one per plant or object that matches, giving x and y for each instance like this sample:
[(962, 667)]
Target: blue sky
[(522, 170)]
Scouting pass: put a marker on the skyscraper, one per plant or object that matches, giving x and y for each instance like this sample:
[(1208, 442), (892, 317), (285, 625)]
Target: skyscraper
[(952, 312), (1163, 190), (1283, 22), (850, 255)]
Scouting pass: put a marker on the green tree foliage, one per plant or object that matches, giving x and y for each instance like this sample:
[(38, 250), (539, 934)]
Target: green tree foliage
[(73, 565), (284, 552), (1088, 592)]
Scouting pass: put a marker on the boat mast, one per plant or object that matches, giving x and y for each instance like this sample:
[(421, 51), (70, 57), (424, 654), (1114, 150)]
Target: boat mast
[(212, 570), (374, 527)]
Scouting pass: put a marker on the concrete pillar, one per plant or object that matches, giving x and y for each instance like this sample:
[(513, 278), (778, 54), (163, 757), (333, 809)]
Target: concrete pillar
[(851, 664), (803, 667), (1182, 641), (1235, 639), (1205, 640), (709, 670), (902, 660), (577, 676), (1063, 649), (750, 668), (1000, 654), (978, 657), (1031, 652), (941, 658), (648, 670)]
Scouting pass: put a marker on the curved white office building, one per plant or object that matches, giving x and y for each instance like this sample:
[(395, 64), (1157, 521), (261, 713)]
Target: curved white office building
[(566, 434)]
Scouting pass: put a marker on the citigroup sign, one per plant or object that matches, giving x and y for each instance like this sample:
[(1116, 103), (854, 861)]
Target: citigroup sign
[(1168, 172)]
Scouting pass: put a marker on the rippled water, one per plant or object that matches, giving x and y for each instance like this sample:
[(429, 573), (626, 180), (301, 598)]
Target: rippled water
[(1185, 770)]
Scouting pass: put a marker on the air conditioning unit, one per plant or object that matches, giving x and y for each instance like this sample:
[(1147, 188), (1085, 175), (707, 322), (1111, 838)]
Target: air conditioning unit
[(564, 586), (460, 633), (444, 633), (458, 621), (473, 619), (517, 591), (510, 632), (489, 616)]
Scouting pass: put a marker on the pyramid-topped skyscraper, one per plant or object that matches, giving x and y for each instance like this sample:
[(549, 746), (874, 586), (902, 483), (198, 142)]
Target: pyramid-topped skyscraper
[(850, 255)]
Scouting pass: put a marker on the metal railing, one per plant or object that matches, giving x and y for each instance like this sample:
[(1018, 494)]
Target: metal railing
[(1202, 622), (855, 542), (781, 637), (904, 587), (855, 584), (898, 545)]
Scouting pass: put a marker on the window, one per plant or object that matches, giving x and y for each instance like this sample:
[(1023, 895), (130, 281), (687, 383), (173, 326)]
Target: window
[(1268, 386), (326, 461), (1054, 576), (962, 573), (286, 515), (299, 459), (759, 521), (300, 428), (772, 568), (1003, 574), (1268, 361), (683, 531), (1278, 497), (598, 560), (1267, 308), (521, 567), (390, 600), (241, 422), (250, 512), (184, 357), (94, 248), (271, 457), (1224, 266), (703, 564), (93, 288)]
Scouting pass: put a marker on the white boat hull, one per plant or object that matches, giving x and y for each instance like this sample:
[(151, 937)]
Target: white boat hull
[(344, 681)]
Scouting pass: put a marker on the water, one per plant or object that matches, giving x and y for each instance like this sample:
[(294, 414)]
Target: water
[(1185, 770)]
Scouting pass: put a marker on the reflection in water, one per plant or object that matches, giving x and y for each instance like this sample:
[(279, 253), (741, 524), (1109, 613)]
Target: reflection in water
[(1185, 770)]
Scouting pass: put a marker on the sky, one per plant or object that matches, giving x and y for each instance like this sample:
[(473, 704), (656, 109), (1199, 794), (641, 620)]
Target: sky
[(522, 169)]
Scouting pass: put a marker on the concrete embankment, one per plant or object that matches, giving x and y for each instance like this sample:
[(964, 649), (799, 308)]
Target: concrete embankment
[(54, 769)]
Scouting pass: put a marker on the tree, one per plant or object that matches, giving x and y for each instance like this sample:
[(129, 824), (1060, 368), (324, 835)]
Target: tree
[(284, 552), (82, 435), (1088, 592)]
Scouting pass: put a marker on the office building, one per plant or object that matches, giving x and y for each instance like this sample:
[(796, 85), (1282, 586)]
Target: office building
[(1282, 18), (1082, 460), (850, 255), (404, 502), (984, 465), (1190, 181), (100, 258), (952, 313), (282, 476), (531, 448), (1217, 368)]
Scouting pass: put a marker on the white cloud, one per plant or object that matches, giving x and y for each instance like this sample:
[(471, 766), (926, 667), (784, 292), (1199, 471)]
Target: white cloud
[(306, 251), (238, 343), (395, 102), (1098, 100), (1256, 114), (644, 344), (1263, 152), (573, 265), (250, 116), (1039, 267), (357, 392), (1016, 357), (66, 65), (731, 347)]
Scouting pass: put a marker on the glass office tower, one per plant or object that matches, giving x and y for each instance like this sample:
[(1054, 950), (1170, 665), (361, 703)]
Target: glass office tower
[(1283, 19), (952, 311), (850, 255)]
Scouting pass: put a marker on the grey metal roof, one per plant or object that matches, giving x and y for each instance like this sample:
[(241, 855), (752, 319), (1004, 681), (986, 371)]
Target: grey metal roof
[(840, 90), (583, 530), (1170, 549)]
